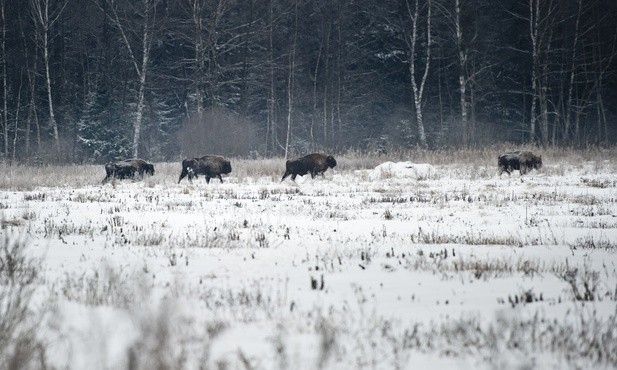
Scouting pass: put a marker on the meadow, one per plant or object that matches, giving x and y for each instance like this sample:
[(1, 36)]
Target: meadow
[(453, 268)]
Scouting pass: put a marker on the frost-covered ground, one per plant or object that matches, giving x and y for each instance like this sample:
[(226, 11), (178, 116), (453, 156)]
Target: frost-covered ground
[(449, 267)]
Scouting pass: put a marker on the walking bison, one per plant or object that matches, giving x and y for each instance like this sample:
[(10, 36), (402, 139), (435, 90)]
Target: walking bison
[(209, 165), (127, 169), (523, 161), (314, 164)]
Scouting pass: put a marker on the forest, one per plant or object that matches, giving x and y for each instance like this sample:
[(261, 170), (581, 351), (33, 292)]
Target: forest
[(89, 81)]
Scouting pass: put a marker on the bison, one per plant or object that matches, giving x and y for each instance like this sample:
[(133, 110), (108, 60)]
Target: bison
[(522, 161), (314, 164), (127, 169), (209, 165)]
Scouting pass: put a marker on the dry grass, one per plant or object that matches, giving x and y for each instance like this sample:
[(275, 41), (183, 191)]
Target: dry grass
[(165, 337), (19, 321), (478, 163)]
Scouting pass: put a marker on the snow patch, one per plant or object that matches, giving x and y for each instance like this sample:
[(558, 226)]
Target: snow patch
[(417, 171)]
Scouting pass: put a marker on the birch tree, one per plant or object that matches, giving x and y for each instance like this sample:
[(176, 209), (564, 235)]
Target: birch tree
[(46, 13), (290, 81), (418, 83), (541, 31), (5, 118), (462, 79), (141, 66), (200, 58)]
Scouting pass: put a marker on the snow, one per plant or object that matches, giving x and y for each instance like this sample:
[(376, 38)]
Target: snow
[(416, 171), (416, 260)]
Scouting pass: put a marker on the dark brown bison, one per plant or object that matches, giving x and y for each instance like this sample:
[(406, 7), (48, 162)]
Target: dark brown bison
[(209, 165), (522, 161), (127, 169), (314, 164)]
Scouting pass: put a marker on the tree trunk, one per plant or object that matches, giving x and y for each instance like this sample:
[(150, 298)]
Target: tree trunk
[(149, 6), (462, 77), (32, 114), (5, 118), (45, 20), (52, 116), (290, 81), (339, 76), (199, 58), (569, 102), (17, 118), (534, 10), (314, 113), (142, 78), (271, 127), (418, 89)]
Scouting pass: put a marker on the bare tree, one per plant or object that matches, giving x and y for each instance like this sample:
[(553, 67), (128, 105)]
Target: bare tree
[(411, 40), (200, 58), (141, 68), (32, 87), (5, 118), (271, 125), (290, 80), (542, 18), (17, 110), (462, 79), (46, 13)]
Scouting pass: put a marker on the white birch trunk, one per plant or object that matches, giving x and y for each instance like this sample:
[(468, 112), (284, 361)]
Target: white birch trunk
[(418, 90), (290, 83), (534, 9), (462, 80), (142, 79), (271, 129), (44, 20), (141, 71), (5, 119), (568, 108), (199, 57)]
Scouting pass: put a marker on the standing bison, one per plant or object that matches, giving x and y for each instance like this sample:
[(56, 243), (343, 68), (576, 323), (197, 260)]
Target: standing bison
[(209, 165), (521, 160), (127, 169), (314, 164)]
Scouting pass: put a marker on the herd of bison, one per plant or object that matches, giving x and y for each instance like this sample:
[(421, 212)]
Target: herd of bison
[(213, 166)]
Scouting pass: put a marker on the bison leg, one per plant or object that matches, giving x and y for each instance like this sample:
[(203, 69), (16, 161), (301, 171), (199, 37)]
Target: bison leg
[(207, 179), (192, 174), (523, 169), (183, 174), (285, 175), (220, 178)]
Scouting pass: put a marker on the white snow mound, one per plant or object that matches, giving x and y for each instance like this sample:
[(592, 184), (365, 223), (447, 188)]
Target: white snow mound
[(418, 171)]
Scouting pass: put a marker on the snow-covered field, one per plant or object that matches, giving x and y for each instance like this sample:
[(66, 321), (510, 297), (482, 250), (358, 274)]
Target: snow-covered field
[(449, 266)]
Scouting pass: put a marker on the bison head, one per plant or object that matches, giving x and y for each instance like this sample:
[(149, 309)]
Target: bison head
[(226, 167), (149, 169), (330, 161)]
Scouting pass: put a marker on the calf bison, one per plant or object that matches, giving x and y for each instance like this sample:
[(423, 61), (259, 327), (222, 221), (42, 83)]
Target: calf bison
[(522, 161), (127, 169), (314, 164), (209, 165)]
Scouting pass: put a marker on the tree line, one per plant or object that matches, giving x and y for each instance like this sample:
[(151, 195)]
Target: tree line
[(98, 80)]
